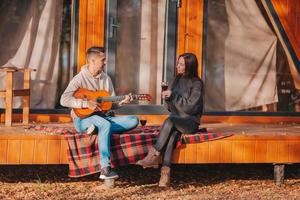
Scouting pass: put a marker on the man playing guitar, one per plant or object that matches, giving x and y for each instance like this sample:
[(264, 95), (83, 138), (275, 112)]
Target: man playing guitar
[(93, 78)]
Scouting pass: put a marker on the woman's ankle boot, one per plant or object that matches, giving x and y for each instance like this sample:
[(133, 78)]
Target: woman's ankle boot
[(151, 160), (164, 180)]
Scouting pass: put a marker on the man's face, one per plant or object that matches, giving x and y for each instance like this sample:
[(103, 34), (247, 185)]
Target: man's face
[(97, 62)]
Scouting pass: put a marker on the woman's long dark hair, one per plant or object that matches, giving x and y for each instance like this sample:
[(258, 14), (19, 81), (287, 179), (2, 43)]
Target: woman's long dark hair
[(191, 68), (191, 65)]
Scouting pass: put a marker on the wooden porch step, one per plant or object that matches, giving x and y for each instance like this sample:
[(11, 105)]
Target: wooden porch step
[(51, 149)]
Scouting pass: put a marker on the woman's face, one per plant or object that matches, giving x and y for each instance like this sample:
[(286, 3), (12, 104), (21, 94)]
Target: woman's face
[(180, 66)]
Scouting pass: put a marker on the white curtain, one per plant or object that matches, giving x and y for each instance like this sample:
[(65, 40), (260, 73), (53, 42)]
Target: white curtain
[(39, 49), (240, 71), (250, 57)]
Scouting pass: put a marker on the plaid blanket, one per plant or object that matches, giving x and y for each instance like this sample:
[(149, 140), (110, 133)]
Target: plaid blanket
[(126, 148)]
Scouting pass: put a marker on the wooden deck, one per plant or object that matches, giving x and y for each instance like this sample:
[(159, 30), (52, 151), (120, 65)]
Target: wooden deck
[(251, 143)]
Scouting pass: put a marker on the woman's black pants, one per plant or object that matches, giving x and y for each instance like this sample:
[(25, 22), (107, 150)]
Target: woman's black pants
[(169, 135)]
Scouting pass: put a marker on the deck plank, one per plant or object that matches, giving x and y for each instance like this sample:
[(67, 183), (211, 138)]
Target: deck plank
[(272, 151), (63, 152), (283, 150), (3, 151), (214, 152), (294, 151), (226, 152), (249, 152), (237, 152), (27, 151), (53, 152), (202, 153), (192, 152), (40, 151), (13, 151)]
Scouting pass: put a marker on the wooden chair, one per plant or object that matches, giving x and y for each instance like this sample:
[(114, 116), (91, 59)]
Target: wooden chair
[(9, 93)]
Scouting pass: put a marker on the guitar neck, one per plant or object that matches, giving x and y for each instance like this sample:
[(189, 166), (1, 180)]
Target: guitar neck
[(113, 98)]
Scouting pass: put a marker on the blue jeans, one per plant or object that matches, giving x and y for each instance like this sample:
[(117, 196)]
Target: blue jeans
[(106, 126)]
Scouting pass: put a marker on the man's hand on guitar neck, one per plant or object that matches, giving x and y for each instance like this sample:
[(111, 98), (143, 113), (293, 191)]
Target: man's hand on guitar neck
[(93, 105), (127, 99)]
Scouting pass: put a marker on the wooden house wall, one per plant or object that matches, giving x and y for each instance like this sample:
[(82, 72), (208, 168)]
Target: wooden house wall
[(190, 25), (288, 12), (91, 27), (190, 29)]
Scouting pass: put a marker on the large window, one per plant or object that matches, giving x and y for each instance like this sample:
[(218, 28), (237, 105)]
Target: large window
[(141, 43), (246, 68), (37, 34)]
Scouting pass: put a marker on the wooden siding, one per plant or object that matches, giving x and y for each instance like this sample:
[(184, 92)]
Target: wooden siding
[(32, 149), (91, 27), (288, 12), (190, 29), (242, 149), (51, 149)]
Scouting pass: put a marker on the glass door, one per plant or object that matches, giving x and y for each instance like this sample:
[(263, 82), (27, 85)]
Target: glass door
[(141, 45)]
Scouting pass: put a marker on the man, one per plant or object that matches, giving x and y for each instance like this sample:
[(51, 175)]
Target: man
[(92, 77)]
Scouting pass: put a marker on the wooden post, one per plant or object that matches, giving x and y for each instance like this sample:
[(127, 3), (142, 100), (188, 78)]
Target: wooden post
[(26, 99), (109, 183), (279, 174), (9, 97)]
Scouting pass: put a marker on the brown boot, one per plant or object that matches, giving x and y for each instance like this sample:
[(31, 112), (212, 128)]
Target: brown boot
[(164, 180), (151, 160)]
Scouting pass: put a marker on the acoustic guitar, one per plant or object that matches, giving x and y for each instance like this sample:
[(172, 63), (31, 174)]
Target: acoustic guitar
[(103, 99)]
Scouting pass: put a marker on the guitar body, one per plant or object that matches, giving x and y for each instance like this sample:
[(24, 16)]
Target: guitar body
[(91, 95), (103, 98)]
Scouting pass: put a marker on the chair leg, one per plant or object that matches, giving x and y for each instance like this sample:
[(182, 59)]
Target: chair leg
[(9, 99), (26, 99)]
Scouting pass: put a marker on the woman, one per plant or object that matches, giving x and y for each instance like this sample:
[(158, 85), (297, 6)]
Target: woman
[(184, 99)]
